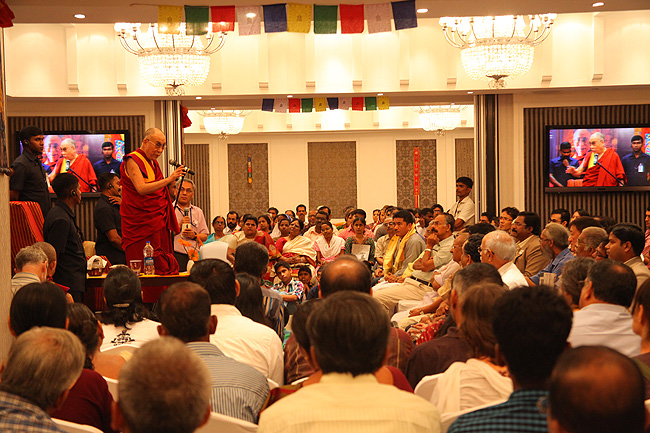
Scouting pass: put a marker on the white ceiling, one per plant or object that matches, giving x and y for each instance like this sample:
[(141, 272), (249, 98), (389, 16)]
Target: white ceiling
[(111, 11)]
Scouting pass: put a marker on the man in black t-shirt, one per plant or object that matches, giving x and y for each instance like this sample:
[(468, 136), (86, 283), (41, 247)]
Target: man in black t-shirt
[(108, 221), (637, 163), (29, 181), (107, 164)]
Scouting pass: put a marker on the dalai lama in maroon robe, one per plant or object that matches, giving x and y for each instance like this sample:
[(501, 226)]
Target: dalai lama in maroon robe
[(601, 166), (147, 213)]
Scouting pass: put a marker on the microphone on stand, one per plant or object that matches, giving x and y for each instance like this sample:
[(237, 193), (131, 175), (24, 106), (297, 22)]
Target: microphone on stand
[(177, 164)]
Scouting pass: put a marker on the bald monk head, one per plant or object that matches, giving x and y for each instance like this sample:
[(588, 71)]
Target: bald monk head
[(154, 143)]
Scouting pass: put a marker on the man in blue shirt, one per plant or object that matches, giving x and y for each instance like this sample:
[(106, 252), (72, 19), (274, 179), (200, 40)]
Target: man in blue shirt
[(637, 163), (531, 325), (107, 164), (557, 171)]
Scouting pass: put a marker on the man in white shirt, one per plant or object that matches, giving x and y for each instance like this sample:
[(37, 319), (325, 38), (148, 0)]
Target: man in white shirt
[(348, 333), (625, 245), (603, 319), (463, 209), (237, 336), (498, 249), (232, 220), (192, 223)]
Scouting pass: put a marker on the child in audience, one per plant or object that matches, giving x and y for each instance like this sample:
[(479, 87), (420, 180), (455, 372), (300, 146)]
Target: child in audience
[(292, 291)]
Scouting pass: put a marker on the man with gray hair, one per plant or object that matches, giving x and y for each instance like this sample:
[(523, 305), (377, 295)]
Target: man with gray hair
[(555, 241), (191, 222), (77, 164), (601, 166), (31, 267), (165, 387), (498, 249), (588, 241), (43, 364)]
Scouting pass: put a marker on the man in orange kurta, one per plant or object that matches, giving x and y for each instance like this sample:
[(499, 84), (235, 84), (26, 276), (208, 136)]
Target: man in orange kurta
[(146, 210), (601, 166)]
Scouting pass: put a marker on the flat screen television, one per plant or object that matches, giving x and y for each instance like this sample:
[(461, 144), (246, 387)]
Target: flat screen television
[(618, 138)]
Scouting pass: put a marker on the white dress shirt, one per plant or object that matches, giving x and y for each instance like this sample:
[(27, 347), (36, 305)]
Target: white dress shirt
[(341, 403), (249, 342), (464, 210), (605, 325), (512, 276)]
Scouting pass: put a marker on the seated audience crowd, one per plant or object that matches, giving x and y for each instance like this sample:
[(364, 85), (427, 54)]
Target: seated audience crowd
[(421, 321)]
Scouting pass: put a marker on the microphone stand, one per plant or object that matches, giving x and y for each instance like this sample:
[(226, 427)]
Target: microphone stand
[(92, 188), (619, 182)]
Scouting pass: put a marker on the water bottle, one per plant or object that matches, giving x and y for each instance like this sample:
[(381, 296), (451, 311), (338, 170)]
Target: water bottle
[(149, 267)]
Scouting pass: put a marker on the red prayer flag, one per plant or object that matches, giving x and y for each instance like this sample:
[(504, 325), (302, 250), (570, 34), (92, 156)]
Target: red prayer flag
[(357, 104), (351, 18), (223, 18), (294, 105)]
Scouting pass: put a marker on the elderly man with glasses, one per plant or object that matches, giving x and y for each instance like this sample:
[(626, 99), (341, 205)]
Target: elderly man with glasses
[(147, 212)]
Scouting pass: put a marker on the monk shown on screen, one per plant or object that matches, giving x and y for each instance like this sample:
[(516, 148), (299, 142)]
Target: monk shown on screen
[(601, 166)]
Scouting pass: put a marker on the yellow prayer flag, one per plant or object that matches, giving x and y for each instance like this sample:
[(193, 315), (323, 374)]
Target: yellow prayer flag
[(383, 102), (320, 104), (169, 19), (299, 18)]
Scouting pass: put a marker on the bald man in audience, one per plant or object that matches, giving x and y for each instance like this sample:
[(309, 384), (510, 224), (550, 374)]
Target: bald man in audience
[(596, 390), (349, 337), (603, 318), (238, 336), (555, 241), (165, 387), (531, 325), (577, 226), (31, 267), (498, 249), (589, 240), (625, 245), (417, 282), (75, 163), (42, 365), (238, 390), (50, 252)]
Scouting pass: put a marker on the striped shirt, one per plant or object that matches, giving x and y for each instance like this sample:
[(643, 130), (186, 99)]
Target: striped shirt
[(519, 414), (238, 390)]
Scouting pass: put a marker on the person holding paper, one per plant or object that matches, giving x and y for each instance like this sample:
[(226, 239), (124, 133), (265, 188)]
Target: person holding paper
[(360, 245)]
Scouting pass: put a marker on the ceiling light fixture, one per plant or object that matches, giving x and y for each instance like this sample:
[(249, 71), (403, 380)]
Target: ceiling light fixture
[(170, 61), (500, 47), (422, 10), (598, 4), (79, 16), (224, 122), (439, 118)]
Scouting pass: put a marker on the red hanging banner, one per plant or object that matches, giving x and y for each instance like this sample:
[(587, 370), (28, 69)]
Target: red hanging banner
[(249, 170), (416, 175)]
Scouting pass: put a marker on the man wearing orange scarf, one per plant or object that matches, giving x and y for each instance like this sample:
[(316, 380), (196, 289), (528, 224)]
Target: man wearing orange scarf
[(404, 247), (147, 213)]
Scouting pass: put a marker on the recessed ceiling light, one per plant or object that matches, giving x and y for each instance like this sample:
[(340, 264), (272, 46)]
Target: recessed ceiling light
[(79, 16), (422, 10), (469, 93), (289, 96), (380, 94), (598, 4), (199, 97), (250, 15)]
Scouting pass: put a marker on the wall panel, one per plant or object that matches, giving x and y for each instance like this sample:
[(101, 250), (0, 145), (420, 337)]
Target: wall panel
[(195, 157), (405, 172), (333, 175), (622, 206), (248, 197), (465, 159)]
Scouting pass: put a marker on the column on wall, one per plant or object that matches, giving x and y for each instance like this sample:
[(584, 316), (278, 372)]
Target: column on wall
[(486, 138), (170, 123)]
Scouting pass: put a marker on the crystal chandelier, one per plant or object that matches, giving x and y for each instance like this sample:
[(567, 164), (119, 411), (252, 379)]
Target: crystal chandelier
[(439, 118), (224, 122), (497, 47), (168, 60)]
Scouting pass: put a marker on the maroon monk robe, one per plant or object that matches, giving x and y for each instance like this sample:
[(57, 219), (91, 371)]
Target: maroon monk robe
[(596, 176), (147, 217)]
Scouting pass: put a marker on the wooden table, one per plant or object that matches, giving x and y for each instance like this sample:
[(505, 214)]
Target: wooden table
[(152, 287)]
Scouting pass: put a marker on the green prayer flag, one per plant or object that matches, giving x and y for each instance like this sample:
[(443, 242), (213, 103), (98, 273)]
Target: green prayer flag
[(307, 105), (325, 19), (196, 20), (371, 103)]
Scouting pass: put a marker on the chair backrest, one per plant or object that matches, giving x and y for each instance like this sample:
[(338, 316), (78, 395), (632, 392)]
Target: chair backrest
[(117, 350), (272, 383), (71, 427), (219, 423), (112, 386), (26, 222), (215, 250), (426, 386), (297, 381)]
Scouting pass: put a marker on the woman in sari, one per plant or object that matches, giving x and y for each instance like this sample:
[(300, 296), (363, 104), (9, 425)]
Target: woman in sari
[(218, 224), (281, 230), (359, 238), (264, 224), (328, 247), (298, 250)]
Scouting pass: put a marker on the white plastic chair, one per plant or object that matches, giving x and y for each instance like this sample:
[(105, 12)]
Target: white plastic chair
[(273, 384), (219, 423), (71, 427), (112, 386), (426, 386), (116, 350), (215, 250), (297, 381)]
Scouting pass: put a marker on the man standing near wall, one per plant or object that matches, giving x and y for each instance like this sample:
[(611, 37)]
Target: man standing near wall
[(463, 209), (29, 181), (147, 212)]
